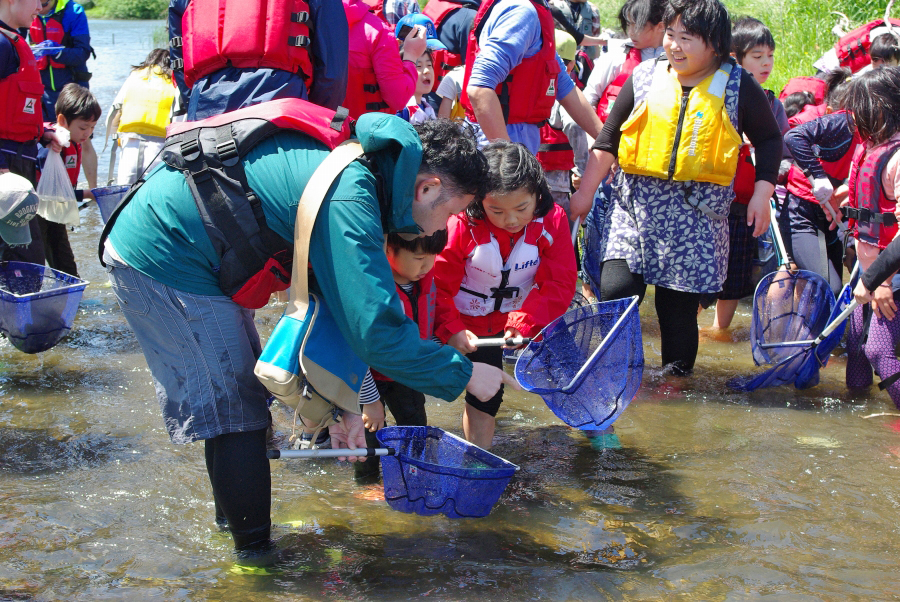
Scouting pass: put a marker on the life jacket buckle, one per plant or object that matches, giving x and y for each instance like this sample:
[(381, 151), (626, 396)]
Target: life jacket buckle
[(190, 149), (298, 41), (176, 42), (506, 292), (301, 17), (228, 152), (178, 64)]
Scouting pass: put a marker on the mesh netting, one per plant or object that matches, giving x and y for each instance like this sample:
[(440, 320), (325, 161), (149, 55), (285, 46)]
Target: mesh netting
[(589, 365), (108, 199), (788, 306), (37, 304), (436, 472), (808, 373)]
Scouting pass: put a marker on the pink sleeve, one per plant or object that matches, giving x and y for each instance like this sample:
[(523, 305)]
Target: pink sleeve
[(449, 269), (890, 177), (555, 279), (396, 78)]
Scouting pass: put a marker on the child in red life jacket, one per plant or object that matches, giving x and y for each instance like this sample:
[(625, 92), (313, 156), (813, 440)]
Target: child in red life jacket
[(412, 265), (874, 101), (77, 111), (753, 46), (418, 110), (508, 270)]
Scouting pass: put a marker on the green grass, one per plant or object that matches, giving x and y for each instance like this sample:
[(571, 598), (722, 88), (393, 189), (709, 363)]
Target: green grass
[(802, 28)]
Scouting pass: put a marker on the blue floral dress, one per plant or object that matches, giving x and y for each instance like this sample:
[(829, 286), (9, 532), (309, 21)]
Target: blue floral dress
[(657, 225)]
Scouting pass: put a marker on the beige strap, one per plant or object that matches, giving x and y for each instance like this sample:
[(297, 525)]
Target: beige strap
[(310, 201)]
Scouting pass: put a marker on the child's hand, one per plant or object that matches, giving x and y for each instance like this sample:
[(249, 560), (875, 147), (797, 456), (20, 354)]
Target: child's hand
[(463, 341), (883, 302), (414, 44), (861, 294), (512, 333), (373, 416), (576, 182), (88, 194)]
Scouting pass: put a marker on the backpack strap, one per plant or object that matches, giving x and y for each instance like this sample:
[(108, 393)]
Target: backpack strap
[(310, 201)]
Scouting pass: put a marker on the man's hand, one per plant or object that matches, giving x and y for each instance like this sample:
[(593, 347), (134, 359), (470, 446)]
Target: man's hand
[(349, 433), (486, 381)]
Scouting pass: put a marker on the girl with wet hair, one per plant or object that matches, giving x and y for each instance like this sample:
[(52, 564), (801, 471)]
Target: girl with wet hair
[(668, 220), (508, 270), (873, 100)]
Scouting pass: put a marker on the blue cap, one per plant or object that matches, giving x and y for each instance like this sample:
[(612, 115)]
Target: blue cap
[(430, 31)]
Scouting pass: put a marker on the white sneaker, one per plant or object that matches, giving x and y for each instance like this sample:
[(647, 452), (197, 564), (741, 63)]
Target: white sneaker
[(322, 442)]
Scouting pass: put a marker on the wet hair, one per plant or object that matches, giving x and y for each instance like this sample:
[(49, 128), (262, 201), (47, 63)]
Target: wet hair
[(159, 58), (706, 19), (450, 152), (874, 101), (640, 13), (747, 34), (77, 102), (836, 85), (885, 47), (512, 167), (794, 103), (430, 245)]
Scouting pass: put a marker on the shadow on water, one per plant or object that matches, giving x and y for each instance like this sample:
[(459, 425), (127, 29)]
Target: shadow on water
[(33, 451)]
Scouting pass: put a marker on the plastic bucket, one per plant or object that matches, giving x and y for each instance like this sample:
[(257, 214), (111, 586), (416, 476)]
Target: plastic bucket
[(108, 199), (37, 304), (436, 472)]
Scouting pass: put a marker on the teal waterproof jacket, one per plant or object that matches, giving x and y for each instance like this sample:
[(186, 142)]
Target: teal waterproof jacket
[(160, 234)]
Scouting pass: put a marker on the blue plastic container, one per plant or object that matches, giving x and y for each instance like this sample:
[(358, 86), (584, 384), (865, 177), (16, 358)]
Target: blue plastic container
[(109, 198), (436, 472), (37, 304), (589, 364)]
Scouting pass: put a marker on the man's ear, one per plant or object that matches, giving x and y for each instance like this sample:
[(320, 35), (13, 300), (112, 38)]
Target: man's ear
[(427, 187)]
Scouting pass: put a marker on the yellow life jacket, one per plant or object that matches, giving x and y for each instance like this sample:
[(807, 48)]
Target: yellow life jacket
[(148, 103), (687, 139)]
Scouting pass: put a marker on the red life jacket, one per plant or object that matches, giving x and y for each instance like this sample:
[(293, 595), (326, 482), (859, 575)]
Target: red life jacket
[(443, 59), (418, 307), (249, 34), (20, 96), (51, 29), (853, 49), (363, 93), (254, 261), (745, 176), (632, 60), (808, 113), (555, 152), (528, 92), (800, 186), (872, 214), (816, 86), (376, 7), (71, 156)]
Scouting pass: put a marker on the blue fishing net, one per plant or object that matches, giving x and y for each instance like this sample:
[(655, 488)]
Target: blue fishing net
[(788, 306), (37, 304), (815, 359), (436, 472), (591, 251), (782, 373), (108, 199), (589, 365)]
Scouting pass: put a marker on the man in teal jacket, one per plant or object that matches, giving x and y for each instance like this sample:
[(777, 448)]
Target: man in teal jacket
[(202, 347)]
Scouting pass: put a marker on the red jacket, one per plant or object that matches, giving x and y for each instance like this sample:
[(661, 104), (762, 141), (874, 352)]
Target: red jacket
[(20, 95), (555, 279), (422, 313), (378, 80)]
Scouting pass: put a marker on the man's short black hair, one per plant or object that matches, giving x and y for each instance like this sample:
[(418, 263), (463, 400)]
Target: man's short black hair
[(450, 151), (430, 245), (77, 102), (748, 33), (706, 19)]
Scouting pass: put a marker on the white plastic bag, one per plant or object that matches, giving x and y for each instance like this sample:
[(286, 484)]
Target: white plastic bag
[(57, 197)]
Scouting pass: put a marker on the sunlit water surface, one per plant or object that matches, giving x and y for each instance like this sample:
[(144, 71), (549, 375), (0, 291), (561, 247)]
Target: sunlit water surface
[(712, 496)]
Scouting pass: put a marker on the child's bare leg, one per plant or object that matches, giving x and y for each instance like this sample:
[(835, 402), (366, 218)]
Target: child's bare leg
[(725, 309), (478, 427)]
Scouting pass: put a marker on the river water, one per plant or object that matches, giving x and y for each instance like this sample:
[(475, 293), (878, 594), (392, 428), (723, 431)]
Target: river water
[(712, 495)]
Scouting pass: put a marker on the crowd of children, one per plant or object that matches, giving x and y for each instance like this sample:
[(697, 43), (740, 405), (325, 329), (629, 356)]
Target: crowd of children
[(671, 156)]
